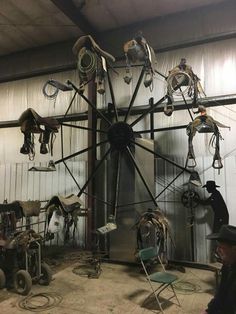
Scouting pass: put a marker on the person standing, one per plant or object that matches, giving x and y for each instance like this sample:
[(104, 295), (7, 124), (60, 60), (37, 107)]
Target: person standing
[(216, 201), (224, 301)]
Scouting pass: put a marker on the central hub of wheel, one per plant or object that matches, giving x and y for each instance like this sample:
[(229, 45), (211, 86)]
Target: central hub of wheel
[(120, 135)]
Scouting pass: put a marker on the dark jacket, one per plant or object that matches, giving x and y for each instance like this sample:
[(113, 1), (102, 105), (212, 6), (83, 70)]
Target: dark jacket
[(224, 301), (221, 215)]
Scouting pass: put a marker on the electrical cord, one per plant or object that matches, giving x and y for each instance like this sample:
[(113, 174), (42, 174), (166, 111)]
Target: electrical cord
[(48, 300), (186, 287), (47, 93)]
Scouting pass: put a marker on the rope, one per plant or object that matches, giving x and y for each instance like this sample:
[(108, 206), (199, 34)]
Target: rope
[(186, 287), (183, 76), (40, 301), (92, 268), (46, 91), (87, 64)]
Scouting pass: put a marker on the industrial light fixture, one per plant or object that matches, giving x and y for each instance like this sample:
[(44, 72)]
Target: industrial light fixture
[(110, 226), (49, 168), (195, 179)]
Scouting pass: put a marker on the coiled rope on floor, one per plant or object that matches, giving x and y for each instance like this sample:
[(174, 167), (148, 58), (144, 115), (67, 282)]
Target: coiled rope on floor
[(40, 302), (186, 287)]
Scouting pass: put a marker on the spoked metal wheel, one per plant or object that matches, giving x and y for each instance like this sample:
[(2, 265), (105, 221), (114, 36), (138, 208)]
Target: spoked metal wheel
[(118, 143)]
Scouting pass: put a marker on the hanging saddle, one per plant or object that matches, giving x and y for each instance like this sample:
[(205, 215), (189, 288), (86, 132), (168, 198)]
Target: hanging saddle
[(138, 50), (204, 124), (91, 62), (30, 123), (182, 80)]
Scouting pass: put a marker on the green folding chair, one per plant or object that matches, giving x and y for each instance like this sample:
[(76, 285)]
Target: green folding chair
[(162, 277)]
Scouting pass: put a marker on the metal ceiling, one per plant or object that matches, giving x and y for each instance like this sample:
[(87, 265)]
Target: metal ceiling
[(29, 24)]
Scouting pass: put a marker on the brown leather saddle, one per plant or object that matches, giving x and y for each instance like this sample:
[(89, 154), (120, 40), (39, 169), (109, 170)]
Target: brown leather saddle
[(30, 123), (91, 62), (182, 80), (69, 207), (138, 50), (67, 204), (204, 124)]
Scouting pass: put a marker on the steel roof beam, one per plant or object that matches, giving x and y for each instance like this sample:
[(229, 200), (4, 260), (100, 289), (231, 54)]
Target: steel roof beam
[(73, 13)]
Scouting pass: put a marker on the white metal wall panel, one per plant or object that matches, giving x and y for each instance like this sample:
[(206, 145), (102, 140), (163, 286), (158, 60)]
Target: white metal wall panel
[(17, 182), (213, 63)]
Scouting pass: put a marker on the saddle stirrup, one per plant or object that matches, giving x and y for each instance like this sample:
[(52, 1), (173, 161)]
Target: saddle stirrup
[(168, 109), (100, 86), (44, 140), (148, 79), (191, 162), (217, 163), (28, 146)]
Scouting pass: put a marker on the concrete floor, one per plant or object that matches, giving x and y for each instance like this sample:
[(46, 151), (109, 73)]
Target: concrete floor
[(119, 289)]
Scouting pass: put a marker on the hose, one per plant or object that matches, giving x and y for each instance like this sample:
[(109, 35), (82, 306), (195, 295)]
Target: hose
[(48, 300)]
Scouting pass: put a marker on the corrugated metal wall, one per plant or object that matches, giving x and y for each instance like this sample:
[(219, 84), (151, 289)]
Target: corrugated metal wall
[(17, 182), (214, 63)]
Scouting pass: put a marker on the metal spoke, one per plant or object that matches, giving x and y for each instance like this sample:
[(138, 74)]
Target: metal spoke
[(112, 96), (90, 103), (149, 110), (134, 203), (83, 128), (71, 174), (186, 104), (169, 184), (135, 93), (93, 196), (164, 158), (117, 184), (70, 104), (140, 174), (163, 129), (94, 172), (80, 152)]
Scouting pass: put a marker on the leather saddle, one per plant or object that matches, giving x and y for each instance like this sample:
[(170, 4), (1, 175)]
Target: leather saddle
[(91, 61), (30, 123), (66, 207), (137, 49), (12, 207), (21, 208), (68, 203)]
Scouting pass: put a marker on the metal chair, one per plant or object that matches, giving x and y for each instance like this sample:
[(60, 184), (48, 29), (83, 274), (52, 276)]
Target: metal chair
[(164, 278)]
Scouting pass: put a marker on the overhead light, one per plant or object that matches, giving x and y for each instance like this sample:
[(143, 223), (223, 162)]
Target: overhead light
[(195, 179), (110, 226), (50, 167)]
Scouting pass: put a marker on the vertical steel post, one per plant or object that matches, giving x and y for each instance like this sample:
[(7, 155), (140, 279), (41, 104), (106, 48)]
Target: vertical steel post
[(92, 121)]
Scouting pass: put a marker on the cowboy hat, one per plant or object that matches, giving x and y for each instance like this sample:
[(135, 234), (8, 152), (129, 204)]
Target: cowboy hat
[(210, 184), (226, 234)]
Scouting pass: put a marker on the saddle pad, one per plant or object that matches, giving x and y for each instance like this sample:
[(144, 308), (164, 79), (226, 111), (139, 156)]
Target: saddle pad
[(30, 208)]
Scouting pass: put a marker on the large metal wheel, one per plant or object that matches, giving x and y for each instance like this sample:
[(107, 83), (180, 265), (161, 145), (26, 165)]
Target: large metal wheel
[(118, 142)]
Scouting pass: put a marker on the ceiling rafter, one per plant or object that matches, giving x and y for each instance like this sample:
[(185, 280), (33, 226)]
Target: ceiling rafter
[(73, 13)]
